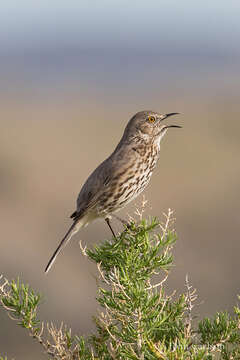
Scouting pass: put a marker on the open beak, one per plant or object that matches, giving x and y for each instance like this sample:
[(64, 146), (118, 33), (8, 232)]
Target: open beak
[(170, 126), (170, 114)]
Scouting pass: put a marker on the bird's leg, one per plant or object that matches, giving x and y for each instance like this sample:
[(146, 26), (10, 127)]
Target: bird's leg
[(108, 222), (124, 222)]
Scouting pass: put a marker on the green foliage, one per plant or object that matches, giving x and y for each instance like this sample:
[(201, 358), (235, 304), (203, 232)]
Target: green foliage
[(136, 311), (22, 304), (139, 320), (222, 331)]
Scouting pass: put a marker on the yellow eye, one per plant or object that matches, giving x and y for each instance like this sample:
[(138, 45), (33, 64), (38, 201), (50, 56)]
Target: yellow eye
[(151, 119)]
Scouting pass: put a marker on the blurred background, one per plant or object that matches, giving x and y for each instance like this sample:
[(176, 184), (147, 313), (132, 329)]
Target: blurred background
[(72, 74)]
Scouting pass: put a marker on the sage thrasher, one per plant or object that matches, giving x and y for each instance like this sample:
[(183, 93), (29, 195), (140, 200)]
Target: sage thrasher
[(122, 176)]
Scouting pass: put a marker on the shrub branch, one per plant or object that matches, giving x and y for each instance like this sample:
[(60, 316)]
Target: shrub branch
[(137, 318)]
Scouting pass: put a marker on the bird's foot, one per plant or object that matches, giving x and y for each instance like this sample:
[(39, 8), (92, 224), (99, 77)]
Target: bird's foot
[(126, 224)]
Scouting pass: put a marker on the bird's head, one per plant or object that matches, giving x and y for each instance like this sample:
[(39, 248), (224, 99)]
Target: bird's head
[(148, 126)]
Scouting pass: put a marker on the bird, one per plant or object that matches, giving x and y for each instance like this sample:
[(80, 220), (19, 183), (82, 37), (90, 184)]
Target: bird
[(122, 176)]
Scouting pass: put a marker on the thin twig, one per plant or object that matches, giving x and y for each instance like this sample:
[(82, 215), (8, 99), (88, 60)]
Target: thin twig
[(191, 296)]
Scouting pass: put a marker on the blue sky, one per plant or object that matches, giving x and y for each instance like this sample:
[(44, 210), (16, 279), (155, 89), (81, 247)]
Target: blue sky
[(168, 26)]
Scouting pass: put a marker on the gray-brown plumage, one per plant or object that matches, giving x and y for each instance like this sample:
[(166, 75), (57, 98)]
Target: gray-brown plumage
[(122, 176)]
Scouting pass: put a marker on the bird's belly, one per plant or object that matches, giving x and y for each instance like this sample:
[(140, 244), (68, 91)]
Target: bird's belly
[(129, 184), (119, 196)]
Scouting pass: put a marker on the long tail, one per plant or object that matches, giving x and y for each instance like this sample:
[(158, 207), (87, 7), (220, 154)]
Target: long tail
[(73, 230)]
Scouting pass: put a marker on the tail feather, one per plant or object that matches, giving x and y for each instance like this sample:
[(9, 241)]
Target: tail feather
[(73, 230)]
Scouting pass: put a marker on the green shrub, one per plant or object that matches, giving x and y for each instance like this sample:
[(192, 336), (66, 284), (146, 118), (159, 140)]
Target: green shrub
[(139, 320)]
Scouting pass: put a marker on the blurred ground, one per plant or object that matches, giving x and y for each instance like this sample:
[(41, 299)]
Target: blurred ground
[(62, 112)]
